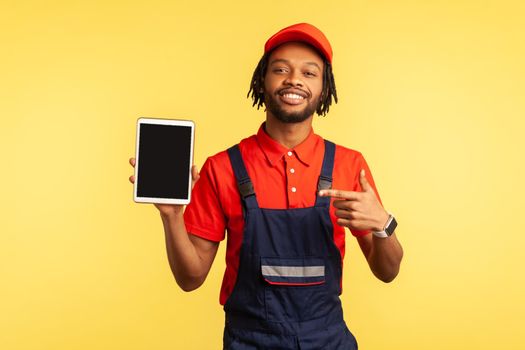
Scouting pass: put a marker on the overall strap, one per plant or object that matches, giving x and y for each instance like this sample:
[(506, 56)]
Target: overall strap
[(325, 179), (244, 183)]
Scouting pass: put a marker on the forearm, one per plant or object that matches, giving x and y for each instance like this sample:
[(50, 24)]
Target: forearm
[(385, 257), (185, 263)]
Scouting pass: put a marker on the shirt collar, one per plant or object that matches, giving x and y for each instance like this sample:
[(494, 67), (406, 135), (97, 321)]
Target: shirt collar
[(274, 151)]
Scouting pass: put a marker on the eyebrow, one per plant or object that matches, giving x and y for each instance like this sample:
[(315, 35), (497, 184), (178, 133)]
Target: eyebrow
[(277, 60)]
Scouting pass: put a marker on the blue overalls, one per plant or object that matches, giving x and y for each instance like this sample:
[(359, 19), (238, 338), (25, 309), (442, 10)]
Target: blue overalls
[(287, 291)]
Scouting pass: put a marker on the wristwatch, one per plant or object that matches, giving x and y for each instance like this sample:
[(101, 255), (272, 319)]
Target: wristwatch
[(388, 229)]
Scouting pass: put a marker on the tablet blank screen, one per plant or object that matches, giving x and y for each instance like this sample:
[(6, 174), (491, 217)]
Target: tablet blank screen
[(163, 161)]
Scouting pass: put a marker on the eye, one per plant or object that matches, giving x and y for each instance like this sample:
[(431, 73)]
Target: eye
[(280, 70)]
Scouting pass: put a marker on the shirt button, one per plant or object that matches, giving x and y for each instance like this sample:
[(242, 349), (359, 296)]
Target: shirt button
[(292, 170), (290, 153), (294, 189)]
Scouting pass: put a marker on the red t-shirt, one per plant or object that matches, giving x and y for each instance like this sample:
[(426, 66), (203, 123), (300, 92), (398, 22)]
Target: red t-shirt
[(282, 178)]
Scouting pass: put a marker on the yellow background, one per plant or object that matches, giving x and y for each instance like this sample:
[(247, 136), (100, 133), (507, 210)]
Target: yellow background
[(431, 92)]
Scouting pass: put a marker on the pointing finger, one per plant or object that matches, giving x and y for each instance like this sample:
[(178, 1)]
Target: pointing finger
[(349, 195)]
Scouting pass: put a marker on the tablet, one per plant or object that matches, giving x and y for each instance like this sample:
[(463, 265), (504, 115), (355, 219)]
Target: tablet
[(164, 156)]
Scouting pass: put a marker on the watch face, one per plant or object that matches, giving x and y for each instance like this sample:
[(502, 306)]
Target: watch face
[(391, 226)]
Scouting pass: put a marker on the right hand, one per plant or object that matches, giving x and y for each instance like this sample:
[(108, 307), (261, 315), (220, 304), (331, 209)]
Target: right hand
[(169, 209)]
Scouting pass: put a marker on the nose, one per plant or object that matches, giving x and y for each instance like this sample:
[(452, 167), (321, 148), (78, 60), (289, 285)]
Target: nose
[(294, 78)]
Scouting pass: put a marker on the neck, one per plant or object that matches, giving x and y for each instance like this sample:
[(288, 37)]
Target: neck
[(288, 134)]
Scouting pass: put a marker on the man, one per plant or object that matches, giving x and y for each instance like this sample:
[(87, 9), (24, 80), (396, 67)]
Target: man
[(284, 196)]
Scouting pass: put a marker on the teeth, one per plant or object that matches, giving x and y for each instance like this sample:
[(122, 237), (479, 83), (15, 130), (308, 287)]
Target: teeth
[(294, 96)]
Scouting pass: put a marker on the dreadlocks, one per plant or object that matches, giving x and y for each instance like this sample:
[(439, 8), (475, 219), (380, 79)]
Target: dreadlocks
[(257, 85)]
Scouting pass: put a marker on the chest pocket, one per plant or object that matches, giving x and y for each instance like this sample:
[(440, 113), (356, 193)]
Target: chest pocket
[(294, 288)]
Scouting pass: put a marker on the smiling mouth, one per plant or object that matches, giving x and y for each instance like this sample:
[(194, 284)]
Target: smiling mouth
[(292, 97)]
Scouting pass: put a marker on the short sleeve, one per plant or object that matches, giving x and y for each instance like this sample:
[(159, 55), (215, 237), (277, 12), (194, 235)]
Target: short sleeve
[(204, 216), (362, 164)]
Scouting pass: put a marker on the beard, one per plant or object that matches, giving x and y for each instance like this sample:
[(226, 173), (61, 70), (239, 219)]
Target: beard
[(274, 107)]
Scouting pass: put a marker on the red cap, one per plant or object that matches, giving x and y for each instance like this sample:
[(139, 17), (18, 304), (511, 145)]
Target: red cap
[(301, 32)]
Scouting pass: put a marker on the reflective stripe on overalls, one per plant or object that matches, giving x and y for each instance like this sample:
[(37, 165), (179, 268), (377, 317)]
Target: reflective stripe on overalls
[(287, 291)]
